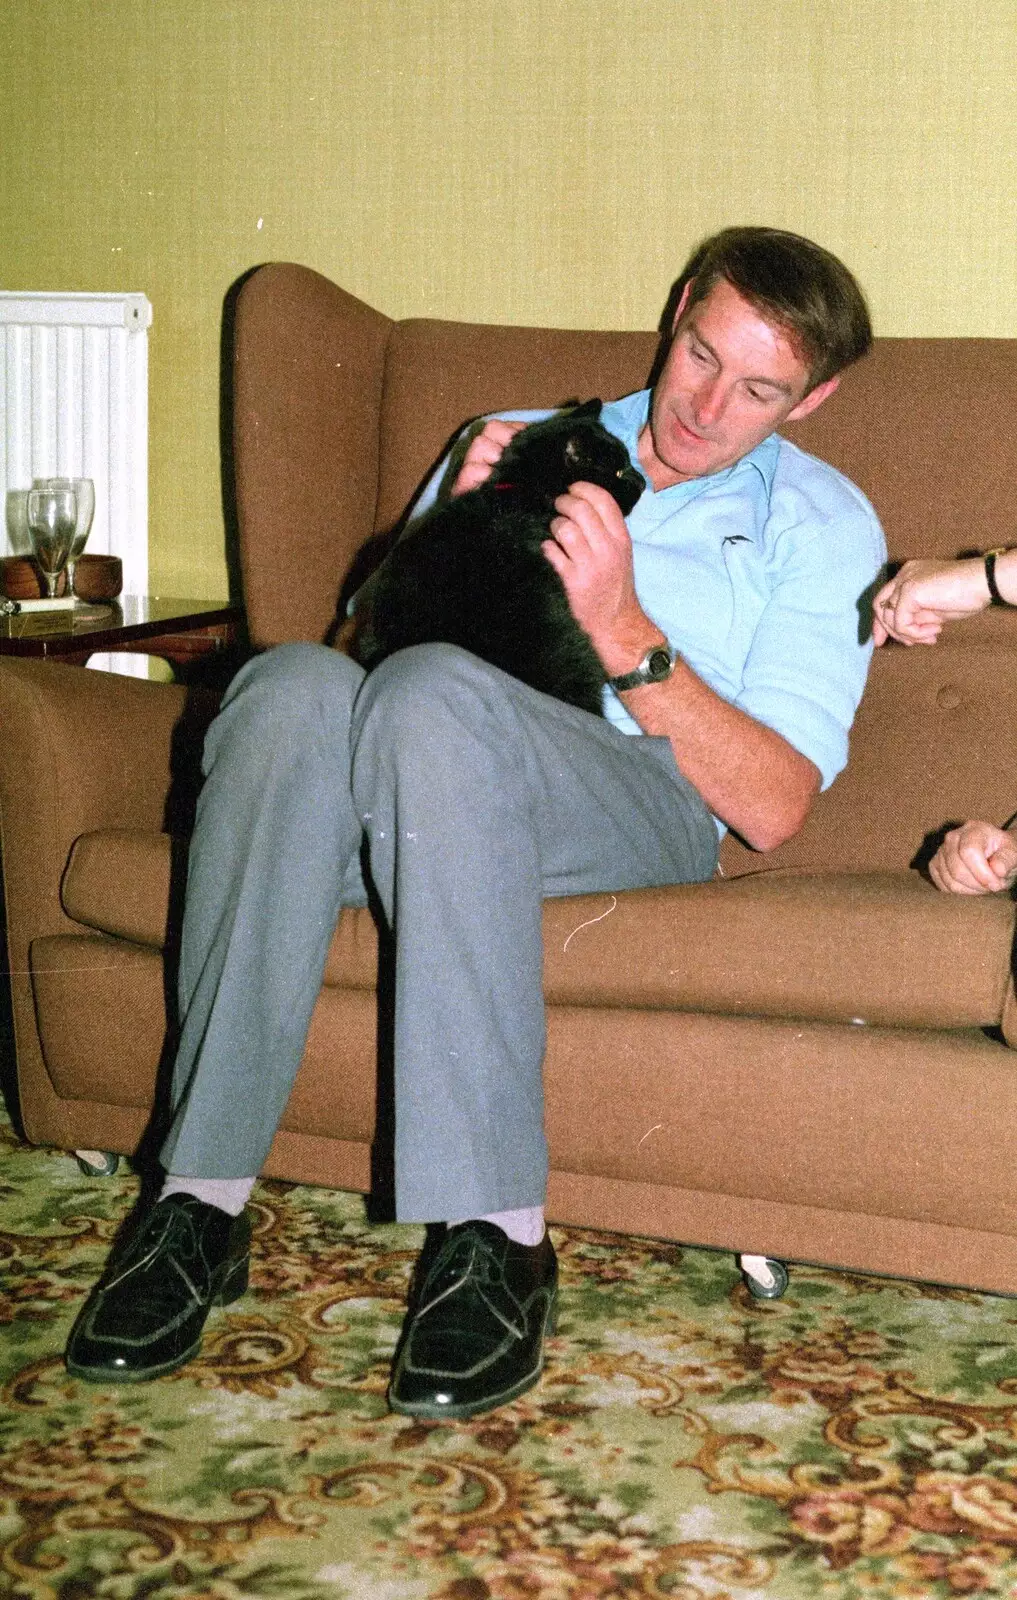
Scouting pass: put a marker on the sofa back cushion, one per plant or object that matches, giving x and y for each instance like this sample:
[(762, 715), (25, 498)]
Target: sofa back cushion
[(339, 413), (922, 426), (439, 374), (934, 742), (917, 424)]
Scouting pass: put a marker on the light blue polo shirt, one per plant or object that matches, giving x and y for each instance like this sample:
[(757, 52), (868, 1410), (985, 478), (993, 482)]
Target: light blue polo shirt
[(759, 576)]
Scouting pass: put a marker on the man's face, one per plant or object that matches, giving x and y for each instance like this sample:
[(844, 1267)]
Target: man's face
[(729, 380)]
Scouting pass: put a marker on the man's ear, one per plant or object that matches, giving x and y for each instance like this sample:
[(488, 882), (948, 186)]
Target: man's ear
[(814, 399), (682, 304)]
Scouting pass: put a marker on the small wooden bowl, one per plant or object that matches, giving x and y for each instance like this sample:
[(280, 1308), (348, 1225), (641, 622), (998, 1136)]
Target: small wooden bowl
[(20, 579), (98, 578)]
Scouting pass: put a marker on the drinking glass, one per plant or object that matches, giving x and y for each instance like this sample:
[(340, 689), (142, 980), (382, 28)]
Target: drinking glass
[(52, 524), (16, 516), (84, 489)]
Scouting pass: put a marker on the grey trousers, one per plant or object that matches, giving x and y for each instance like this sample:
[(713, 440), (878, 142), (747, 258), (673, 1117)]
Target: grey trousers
[(477, 797)]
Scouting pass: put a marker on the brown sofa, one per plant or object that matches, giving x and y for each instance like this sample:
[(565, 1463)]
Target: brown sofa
[(808, 1058)]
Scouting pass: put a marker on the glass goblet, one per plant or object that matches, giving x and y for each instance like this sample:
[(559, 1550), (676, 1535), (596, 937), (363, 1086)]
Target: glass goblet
[(84, 490), (52, 525)]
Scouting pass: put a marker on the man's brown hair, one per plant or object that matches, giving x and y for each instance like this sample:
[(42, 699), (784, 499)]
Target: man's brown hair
[(794, 284)]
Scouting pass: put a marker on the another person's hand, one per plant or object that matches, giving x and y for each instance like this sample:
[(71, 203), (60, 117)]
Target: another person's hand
[(976, 858), (484, 453), (914, 605)]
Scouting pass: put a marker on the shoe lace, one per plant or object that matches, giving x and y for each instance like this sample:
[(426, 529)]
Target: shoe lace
[(468, 1262), (164, 1251)]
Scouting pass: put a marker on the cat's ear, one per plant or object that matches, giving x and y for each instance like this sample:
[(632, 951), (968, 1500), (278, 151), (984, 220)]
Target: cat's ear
[(589, 408)]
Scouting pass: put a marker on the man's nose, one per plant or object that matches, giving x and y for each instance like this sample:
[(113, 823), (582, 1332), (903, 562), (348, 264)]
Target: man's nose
[(711, 399)]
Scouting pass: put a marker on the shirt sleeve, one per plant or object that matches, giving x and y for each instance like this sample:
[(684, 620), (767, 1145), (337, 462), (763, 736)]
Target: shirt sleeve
[(807, 664)]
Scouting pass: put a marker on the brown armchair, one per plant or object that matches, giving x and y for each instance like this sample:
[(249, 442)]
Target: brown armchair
[(807, 1058)]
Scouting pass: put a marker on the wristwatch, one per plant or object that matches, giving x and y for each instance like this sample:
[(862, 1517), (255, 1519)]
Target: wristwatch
[(656, 665), (995, 598)]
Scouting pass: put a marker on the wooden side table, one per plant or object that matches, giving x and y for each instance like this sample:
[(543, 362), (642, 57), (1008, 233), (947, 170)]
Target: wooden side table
[(179, 630)]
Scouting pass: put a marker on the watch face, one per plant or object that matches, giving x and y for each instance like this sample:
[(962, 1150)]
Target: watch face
[(658, 665)]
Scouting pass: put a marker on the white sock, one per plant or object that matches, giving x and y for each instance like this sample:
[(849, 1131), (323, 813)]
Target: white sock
[(229, 1194), (525, 1226)]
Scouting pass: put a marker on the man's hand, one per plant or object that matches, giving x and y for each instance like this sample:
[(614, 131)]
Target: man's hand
[(976, 858), (591, 552), (914, 605), (485, 452)]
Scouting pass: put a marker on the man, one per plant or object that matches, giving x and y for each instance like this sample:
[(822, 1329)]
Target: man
[(726, 615), (978, 857)]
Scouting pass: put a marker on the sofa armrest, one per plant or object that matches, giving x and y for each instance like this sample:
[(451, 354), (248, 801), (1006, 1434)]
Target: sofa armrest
[(86, 750), (82, 750)]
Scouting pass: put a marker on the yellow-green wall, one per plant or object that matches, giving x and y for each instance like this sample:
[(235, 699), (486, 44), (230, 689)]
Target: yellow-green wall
[(502, 160)]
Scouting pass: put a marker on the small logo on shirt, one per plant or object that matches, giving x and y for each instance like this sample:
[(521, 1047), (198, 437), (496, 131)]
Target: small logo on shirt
[(735, 538)]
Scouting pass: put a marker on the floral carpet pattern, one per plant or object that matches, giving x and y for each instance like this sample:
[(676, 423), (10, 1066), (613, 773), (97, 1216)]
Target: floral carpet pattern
[(857, 1438)]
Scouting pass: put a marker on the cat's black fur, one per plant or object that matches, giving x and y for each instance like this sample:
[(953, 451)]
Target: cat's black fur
[(471, 572)]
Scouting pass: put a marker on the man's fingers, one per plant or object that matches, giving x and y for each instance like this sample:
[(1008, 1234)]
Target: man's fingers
[(595, 512), (599, 499), (556, 555), (484, 453), (496, 434)]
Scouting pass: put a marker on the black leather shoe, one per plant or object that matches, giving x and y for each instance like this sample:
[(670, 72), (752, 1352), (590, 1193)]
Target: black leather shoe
[(145, 1315), (475, 1337)]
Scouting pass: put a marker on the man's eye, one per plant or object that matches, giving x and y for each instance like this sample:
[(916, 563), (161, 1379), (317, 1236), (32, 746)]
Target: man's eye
[(763, 397)]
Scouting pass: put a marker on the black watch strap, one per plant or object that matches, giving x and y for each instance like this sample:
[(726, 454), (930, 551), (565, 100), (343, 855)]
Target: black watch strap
[(990, 574)]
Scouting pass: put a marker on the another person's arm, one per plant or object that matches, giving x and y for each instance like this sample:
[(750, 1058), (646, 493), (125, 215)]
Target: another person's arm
[(913, 606), (976, 858)]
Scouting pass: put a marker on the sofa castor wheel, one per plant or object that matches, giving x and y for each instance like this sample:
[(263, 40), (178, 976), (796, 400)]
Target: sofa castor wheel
[(97, 1163), (764, 1278)]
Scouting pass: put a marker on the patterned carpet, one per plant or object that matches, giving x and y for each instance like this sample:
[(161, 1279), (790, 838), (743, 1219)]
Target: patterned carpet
[(858, 1438)]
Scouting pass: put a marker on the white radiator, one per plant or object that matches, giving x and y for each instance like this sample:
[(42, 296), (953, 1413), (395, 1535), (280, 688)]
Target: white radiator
[(74, 403)]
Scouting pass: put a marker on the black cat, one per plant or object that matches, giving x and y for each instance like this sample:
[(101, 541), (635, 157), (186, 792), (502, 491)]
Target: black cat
[(471, 572)]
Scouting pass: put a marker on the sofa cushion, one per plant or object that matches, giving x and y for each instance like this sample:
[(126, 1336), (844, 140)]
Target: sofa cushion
[(873, 947), (118, 880), (852, 1121), (439, 374), (121, 881), (876, 947)]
